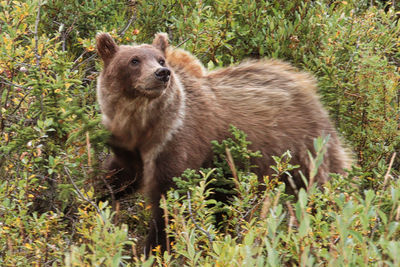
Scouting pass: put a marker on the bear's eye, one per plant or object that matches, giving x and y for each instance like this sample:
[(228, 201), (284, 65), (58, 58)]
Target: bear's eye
[(135, 61), (162, 62)]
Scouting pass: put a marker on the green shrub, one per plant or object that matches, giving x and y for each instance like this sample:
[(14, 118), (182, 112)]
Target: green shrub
[(265, 228)]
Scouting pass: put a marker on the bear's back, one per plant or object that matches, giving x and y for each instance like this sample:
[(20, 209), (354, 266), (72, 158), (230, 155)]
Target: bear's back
[(277, 106), (268, 93), (184, 62)]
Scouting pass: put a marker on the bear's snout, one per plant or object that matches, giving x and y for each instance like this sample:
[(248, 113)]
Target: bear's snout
[(163, 74)]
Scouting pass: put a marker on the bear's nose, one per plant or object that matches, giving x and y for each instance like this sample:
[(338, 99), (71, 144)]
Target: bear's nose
[(163, 74)]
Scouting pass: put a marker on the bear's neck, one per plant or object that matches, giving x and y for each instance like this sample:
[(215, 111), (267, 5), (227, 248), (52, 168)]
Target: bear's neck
[(148, 124)]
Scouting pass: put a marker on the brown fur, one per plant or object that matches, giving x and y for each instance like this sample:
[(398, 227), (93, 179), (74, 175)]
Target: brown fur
[(166, 127), (184, 61)]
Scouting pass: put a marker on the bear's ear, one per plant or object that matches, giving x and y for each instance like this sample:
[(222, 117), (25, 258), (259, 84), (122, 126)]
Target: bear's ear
[(106, 47), (161, 41)]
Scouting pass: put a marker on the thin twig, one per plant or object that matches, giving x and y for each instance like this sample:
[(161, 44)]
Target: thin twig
[(117, 208), (311, 175), (389, 169), (84, 61), (36, 36), (398, 213), (36, 51), (231, 163), (253, 208), (20, 102), (82, 196), (2, 119), (194, 221), (376, 226), (88, 147), (128, 24), (265, 207), (276, 200), (113, 201), (292, 221), (78, 58), (125, 186), (65, 33), (292, 184), (7, 82), (184, 41), (336, 240)]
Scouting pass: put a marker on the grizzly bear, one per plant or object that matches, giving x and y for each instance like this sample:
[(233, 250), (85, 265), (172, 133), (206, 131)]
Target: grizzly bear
[(163, 109)]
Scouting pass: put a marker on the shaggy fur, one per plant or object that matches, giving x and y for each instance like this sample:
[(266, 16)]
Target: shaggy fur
[(162, 127)]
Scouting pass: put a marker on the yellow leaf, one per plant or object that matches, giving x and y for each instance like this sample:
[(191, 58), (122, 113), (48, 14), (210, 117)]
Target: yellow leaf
[(157, 249), (89, 194)]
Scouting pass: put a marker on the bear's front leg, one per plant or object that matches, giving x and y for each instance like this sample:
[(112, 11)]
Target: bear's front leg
[(157, 235), (158, 173), (157, 180), (124, 172)]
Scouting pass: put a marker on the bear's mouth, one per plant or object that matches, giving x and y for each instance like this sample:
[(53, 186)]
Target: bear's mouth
[(150, 88), (158, 86)]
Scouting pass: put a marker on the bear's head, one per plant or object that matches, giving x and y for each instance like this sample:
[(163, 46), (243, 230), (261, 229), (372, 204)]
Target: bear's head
[(135, 70)]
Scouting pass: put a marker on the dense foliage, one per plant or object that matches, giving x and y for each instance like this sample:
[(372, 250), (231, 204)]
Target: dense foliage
[(52, 141)]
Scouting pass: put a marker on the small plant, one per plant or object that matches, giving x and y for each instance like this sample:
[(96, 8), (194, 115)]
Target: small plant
[(102, 243)]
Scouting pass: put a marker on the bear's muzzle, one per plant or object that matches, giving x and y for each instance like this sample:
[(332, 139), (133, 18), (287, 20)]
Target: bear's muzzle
[(163, 74)]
